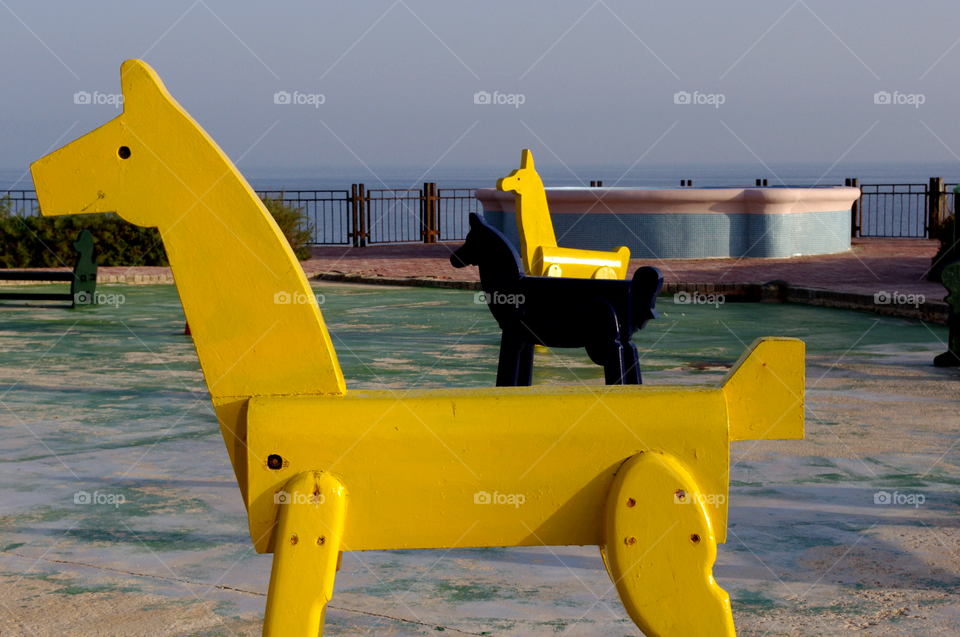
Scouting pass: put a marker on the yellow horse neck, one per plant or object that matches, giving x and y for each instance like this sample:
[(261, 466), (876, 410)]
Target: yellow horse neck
[(254, 319), (533, 215), (253, 315)]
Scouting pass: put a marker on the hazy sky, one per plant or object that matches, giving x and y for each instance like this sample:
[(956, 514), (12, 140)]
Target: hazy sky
[(598, 79)]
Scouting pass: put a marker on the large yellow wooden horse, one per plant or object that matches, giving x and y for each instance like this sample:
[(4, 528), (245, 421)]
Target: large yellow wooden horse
[(641, 472), (538, 244)]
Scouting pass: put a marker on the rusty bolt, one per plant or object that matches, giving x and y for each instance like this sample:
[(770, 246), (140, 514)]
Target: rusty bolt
[(321, 540), (294, 539), (630, 541), (680, 496), (695, 539), (274, 462), (631, 502)]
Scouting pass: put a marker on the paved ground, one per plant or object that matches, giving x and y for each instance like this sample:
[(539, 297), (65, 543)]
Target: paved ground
[(110, 401), (871, 266)]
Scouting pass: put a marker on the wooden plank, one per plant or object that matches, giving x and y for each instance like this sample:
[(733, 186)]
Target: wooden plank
[(35, 275)]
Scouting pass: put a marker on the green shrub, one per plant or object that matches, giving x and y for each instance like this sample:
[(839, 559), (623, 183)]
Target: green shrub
[(294, 225), (944, 233), (37, 242)]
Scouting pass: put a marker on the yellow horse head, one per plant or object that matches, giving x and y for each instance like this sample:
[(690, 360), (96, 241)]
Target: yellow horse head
[(156, 167), (153, 145), (524, 180)]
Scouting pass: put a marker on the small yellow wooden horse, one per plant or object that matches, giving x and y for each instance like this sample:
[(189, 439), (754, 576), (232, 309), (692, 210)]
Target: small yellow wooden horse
[(538, 244), (641, 472)]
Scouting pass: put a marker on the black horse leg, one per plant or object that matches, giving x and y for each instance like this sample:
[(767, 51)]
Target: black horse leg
[(603, 340), (509, 368), (631, 364), (950, 357), (525, 364)]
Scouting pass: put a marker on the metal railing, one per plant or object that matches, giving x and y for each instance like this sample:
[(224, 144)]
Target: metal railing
[(902, 210), (393, 216), (362, 217), (893, 210), (356, 217), (327, 212), (22, 203), (454, 206)]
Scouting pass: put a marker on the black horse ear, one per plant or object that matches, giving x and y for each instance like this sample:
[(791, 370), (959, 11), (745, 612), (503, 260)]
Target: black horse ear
[(647, 284), (475, 220)]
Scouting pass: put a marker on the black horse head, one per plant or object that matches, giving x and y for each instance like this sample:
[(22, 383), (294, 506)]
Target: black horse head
[(647, 283), (486, 247)]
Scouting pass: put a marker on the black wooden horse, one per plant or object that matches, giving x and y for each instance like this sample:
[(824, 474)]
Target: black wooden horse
[(598, 314)]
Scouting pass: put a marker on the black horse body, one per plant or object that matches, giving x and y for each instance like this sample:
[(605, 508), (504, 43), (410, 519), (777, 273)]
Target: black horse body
[(598, 314)]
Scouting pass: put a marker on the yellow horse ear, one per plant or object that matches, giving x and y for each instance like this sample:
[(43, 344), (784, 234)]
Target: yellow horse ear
[(526, 159), (140, 83)]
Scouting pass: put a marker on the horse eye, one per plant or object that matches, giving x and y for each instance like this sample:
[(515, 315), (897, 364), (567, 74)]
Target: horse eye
[(124, 152)]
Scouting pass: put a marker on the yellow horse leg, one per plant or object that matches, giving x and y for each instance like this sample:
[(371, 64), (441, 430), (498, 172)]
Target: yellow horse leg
[(312, 507), (659, 550)]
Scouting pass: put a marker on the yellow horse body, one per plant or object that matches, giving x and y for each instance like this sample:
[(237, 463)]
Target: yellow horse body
[(324, 470), (538, 244)]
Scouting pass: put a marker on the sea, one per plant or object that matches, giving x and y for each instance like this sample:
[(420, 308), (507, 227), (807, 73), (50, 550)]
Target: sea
[(612, 175)]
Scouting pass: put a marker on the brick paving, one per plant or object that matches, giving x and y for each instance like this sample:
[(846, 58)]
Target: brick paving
[(872, 265)]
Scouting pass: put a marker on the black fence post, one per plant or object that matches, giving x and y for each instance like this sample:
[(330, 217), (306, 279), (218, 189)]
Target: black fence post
[(428, 212), (855, 216), (364, 216), (358, 217), (354, 219), (934, 206), (436, 213), (424, 195)]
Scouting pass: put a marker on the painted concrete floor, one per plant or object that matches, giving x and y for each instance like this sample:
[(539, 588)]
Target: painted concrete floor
[(110, 402)]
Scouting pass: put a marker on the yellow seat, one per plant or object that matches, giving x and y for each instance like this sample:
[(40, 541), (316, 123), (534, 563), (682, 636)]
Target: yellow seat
[(538, 244), (324, 470)]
